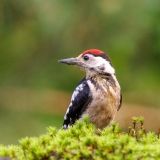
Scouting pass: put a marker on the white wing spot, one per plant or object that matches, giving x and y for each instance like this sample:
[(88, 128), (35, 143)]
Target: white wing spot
[(70, 104), (74, 94), (64, 126), (77, 90), (80, 87), (67, 110)]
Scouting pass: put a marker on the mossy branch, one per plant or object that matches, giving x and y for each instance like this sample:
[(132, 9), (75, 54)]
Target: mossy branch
[(84, 141)]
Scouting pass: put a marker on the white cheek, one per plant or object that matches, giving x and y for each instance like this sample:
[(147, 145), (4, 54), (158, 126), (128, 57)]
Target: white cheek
[(99, 61), (109, 68)]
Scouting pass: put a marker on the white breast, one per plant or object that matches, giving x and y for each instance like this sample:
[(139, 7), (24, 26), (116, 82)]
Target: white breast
[(105, 102)]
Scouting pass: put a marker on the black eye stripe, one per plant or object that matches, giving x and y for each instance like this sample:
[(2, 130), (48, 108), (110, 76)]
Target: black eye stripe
[(85, 57)]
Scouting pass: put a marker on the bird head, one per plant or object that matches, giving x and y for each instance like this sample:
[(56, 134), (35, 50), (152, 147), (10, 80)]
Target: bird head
[(92, 61)]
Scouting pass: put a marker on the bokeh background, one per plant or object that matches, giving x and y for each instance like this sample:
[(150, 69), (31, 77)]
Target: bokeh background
[(35, 89)]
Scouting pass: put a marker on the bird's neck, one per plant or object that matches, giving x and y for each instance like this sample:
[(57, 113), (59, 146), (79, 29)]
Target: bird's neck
[(101, 77), (102, 82)]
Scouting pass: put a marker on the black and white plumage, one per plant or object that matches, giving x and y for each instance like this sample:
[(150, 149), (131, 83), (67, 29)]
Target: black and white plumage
[(80, 100), (98, 95)]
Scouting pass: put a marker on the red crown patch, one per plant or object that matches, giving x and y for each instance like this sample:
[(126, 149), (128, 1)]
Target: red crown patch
[(93, 51)]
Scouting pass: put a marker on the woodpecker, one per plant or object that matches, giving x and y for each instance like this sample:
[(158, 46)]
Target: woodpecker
[(98, 94)]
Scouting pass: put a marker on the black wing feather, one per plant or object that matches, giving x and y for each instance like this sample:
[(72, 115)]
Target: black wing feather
[(80, 99)]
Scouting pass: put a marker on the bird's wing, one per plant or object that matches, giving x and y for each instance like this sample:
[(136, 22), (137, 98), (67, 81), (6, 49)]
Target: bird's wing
[(80, 100), (120, 102)]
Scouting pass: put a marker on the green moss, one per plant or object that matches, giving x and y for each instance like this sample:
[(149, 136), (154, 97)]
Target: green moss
[(83, 141)]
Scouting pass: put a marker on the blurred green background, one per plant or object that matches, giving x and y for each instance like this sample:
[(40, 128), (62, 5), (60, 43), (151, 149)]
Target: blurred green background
[(35, 89)]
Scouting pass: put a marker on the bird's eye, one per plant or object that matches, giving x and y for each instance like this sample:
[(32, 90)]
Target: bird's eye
[(86, 57)]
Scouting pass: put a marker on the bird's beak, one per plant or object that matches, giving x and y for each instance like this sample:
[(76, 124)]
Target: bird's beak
[(70, 61)]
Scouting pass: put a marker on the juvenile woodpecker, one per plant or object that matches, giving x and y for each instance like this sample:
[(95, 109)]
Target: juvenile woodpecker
[(98, 94)]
